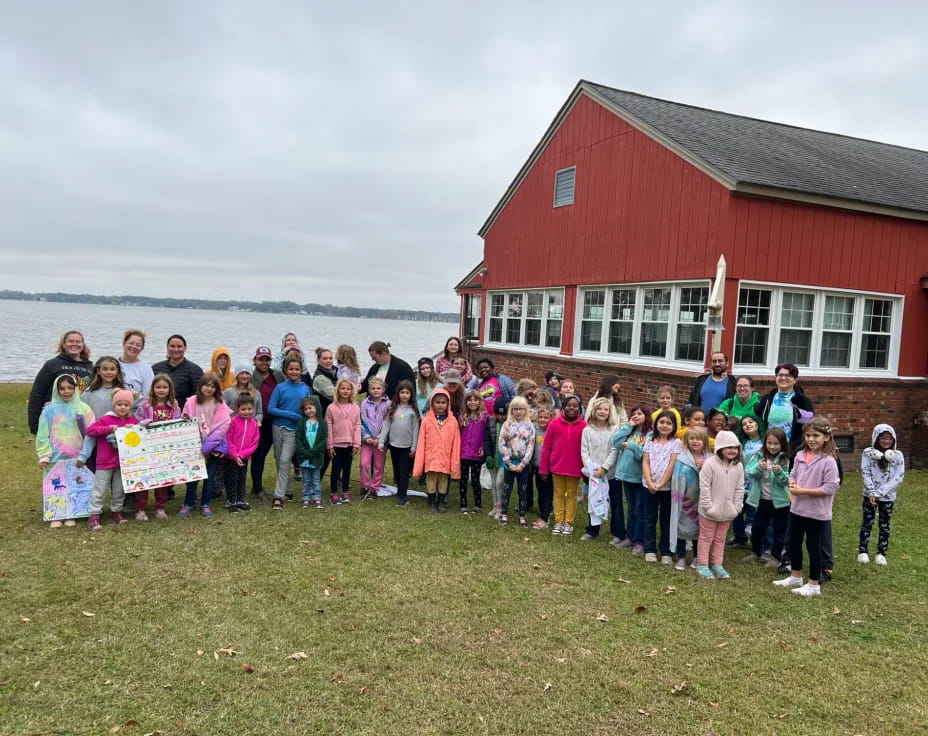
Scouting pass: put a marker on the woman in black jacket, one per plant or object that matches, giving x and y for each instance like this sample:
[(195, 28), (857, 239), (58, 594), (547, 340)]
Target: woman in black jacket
[(397, 369), (784, 405), (73, 359)]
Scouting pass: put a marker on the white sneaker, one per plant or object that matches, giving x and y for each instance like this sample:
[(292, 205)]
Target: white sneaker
[(863, 558), (587, 538), (650, 557), (789, 582), (666, 560), (881, 560), (141, 516), (808, 590), (558, 528), (567, 529), (681, 564)]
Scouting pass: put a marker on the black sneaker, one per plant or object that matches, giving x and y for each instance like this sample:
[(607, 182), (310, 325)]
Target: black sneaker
[(289, 496), (825, 577), (232, 508), (243, 506), (785, 568), (402, 502)]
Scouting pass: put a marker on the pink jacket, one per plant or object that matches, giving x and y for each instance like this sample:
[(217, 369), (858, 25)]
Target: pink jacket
[(560, 452), (107, 454), (344, 424), (242, 437), (210, 436)]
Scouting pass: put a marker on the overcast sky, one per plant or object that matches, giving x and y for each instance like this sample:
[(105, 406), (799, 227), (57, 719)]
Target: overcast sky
[(348, 152)]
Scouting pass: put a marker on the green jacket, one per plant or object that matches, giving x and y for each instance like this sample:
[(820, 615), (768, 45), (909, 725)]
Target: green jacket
[(315, 455), (734, 408), (778, 477)]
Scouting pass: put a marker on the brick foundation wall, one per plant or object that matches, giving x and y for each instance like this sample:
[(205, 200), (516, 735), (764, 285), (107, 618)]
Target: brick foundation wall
[(854, 404)]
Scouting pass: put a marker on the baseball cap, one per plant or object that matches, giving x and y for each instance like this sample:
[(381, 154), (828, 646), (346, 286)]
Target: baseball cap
[(263, 352)]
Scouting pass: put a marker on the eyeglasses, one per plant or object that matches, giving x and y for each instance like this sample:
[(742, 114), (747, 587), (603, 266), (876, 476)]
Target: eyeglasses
[(784, 375)]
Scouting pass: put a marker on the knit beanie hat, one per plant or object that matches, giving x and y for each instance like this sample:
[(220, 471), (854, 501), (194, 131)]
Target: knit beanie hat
[(243, 366), (123, 394), (726, 439)]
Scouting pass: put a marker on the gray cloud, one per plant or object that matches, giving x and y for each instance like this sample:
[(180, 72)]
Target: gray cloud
[(347, 153)]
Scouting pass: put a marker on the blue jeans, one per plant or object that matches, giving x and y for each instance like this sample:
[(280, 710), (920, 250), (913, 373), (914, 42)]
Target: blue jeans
[(635, 501), (190, 499), (312, 483), (657, 506)]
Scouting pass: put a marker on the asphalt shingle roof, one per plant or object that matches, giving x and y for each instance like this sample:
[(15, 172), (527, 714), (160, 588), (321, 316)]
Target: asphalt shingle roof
[(770, 154)]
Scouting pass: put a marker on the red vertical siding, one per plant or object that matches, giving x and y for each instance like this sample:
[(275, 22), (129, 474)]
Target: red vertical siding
[(641, 213)]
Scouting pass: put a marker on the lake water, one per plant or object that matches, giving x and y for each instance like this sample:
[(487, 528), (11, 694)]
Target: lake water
[(29, 332)]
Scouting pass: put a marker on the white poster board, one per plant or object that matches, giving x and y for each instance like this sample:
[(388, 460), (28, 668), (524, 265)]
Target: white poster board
[(161, 454)]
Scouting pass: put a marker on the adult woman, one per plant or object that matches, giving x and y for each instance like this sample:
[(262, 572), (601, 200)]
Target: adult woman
[(491, 384), (137, 374), (324, 379), (445, 361), (387, 367), (286, 341), (782, 407), (73, 359), (745, 400), (609, 389), (185, 373)]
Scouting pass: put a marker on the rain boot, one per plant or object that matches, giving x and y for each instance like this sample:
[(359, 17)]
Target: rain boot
[(433, 503)]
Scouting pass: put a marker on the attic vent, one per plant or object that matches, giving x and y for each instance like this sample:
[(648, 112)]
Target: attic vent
[(564, 186)]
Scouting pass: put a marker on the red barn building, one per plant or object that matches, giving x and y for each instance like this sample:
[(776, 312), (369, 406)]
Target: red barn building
[(601, 254)]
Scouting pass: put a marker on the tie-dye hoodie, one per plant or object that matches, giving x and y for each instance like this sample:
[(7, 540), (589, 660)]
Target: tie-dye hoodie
[(62, 427)]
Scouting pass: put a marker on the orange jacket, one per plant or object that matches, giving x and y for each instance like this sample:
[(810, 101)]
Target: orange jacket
[(439, 448)]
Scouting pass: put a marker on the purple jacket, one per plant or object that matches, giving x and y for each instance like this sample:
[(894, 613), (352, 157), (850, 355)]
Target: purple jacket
[(474, 438), (373, 413), (820, 472)]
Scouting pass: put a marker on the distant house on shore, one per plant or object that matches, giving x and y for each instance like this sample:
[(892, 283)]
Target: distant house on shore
[(601, 254)]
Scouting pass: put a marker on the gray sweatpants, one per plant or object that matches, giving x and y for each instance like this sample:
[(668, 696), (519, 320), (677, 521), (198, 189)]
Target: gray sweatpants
[(284, 447), (103, 481)]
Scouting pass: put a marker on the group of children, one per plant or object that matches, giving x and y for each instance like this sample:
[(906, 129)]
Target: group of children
[(685, 473)]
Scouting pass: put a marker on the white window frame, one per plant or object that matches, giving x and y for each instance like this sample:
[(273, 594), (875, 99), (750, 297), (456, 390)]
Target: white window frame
[(573, 190), (815, 351), (520, 346), (472, 302), (635, 358)]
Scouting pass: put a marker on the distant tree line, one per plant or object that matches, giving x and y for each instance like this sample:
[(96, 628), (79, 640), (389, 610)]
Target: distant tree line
[(281, 307)]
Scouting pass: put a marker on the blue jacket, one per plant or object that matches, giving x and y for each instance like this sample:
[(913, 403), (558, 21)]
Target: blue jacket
[(285, 403), (628, 466)]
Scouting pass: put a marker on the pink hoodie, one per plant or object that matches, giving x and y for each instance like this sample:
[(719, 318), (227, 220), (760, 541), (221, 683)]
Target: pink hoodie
[(242, 437), (107, 454), (344, 425)]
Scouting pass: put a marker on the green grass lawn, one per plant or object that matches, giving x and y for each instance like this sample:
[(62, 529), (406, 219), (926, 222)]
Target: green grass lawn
[(414, 623)]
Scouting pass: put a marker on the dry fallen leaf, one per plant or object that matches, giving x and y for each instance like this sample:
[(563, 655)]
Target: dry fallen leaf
[(417, 640), (722, 645), (713, 705), (331, 578), (36, 684), (326, 592), (561, 660), (247, 667), (586, 652), (653, 653), (536, 566), (225, 650), (337, 678), (107, 682), (24, 620), (362, 690), (731, 629), (199, 652), (602, 618), (623, 580), (131, 723), (781, 716), (548, 686), (115, 729), (905, 557), (784, 646), (543, 617), (643, 712), (856, 621), (640, 609), (679, 688), (298, 655), (669, 589), (524, 539), (836, 610), (88, 614)]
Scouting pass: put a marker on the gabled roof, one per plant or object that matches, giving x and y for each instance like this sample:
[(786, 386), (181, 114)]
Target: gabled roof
[(471, 281), (762, 158)]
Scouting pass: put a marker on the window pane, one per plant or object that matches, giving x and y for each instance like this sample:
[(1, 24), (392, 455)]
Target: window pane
[(874, 351), (535, 304), (839, 313), (533, 332), (753, 307), (797, 310), (656, 305), (623, 304), (593, 304), (591, 334), (513, 330), (515, 305), (751, 345), (794, 346), (620, 337), (556, 307), (473, 305), (654, 340), (691, 340), (693, 304), (496, 330), (878, 314), (553, 334), (497, 301), (836, 349)]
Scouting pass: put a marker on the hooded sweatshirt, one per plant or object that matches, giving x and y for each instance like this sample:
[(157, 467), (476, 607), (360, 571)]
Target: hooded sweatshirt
[(560, 453), (61, 365), (213, 419), (881, 483), (242, 438), (284, 405), (721, 484), (311, 447), (476, 443), (628, 464), (373, 413), (103, 429), (439, 446), (229, 378), (343, 424), (776, 478), (62, 426)]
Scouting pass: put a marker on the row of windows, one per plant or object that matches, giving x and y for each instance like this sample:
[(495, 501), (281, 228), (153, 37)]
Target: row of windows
[(666, 323)]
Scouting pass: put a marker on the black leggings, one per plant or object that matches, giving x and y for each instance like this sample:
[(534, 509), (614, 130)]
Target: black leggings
[(402, 469), (766, 512), (545, 490), (265, 443), (811, 529), (885, 510), (470, 473), (341, 468)]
